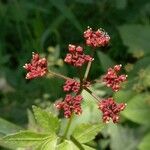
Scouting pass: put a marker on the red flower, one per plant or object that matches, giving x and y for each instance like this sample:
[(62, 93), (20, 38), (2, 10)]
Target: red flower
[(70, 104), (111, 109), (112, 79), (37, 67), (76, 57), (71, 85), (97, 38)]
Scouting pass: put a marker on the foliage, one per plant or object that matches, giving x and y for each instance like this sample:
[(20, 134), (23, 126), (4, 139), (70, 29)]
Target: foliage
[(46, 26), (45, 138)]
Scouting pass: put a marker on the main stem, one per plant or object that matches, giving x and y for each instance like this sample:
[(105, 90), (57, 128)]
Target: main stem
[(68, 126)]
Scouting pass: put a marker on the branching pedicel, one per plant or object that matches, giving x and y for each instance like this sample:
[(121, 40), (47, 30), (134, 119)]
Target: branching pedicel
[(77, 58)]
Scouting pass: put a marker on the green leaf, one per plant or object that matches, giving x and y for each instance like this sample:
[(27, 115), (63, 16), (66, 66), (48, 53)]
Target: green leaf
[(139, 65), (26, 139), (87, 147), (49, 144), (68, 145), (105, 60), (138, 109), (31, 121), (122, 138), (136, 37), (91, 113), (87, 132), (8, 127), (145, 143), (46, 120), (123, 96)]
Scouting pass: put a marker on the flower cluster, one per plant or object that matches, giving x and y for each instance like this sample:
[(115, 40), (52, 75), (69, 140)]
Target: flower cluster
[(97, 38), (71, 85), (37, 67), (70, 104), (111, 109), (112, 79), (76, 57)]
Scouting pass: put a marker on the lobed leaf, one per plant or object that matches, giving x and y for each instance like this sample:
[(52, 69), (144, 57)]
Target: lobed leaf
[(26, 139), (49, 144), (68, 145), (7, 127), (46, 120), (87, 132)]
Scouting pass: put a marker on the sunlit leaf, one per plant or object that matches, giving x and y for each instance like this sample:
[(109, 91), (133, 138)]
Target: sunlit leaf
[(46, 120), (26, 139), (8, 127), (87, 132), (122, 138), (49, 144)]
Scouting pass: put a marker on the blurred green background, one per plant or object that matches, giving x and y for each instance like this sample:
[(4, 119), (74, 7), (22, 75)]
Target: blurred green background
[(48, 27)]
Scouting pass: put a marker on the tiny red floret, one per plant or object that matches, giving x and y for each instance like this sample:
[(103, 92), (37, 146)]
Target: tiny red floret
[(97, 38), (76, 57), (37, 67), (70, 104), (71, 85), (111, 109), (112, 79)]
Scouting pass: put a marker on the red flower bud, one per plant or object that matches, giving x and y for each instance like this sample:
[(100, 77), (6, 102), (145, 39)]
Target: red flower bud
[(97, 38), (111, 109), (37, 67)]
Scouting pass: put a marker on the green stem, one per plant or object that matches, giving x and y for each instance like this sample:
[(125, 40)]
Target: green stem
[(88, 68), (80, 76), (78, 144), (92, 93), (68, 126), (51, 73)]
